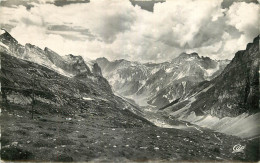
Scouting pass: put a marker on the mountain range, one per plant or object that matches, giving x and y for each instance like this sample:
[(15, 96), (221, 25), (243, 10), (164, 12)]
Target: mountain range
[(76, 109), (218, 94), (68, 65), (70, 75), (206, 92), (229, 103), (163, 83)]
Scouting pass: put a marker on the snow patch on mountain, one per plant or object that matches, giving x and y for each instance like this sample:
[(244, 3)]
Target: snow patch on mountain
[(169, 70), (114, 78), (89, 63), (60, 71), (155, 70), (184, 86), (190, 59), (160, 123), (244, 125), (88, 98), (180, 75), (139, 100)]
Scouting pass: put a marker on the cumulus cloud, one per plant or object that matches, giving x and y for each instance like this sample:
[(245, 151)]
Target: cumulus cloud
[(117, 29), (104, 18), (244, 16)]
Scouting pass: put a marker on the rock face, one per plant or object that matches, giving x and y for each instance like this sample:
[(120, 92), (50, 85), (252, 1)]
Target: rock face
[(68, 65), (234, 94), (160, 84), (234, 91), (59, 81), (8, 43), (125, 77), (76, 64), (96, 69)]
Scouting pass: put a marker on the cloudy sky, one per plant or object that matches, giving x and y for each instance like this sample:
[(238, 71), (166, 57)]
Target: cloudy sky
[(141, 31)]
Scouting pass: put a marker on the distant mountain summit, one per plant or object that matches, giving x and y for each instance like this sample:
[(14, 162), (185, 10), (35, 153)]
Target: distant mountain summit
[(163, 83), (230, 102)]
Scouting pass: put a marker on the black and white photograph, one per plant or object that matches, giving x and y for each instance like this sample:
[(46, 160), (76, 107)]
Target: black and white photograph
[(129, 81)]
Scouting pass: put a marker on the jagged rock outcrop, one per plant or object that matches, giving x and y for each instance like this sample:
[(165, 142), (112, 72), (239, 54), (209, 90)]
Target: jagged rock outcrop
[(11, 44), (76, 64), (96, 69), (68, 65)]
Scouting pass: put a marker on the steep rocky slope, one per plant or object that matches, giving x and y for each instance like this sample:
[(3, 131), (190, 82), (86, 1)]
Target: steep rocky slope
[(68, 65), (177, 77), (159, 84), (230, 102), (79, 93), (60, 77)]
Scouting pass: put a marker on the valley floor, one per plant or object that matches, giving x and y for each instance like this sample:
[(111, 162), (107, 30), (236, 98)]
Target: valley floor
[(53, 137)]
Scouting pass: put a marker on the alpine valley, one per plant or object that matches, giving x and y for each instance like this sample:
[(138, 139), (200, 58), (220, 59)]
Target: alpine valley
[(67, 108), (163, 83)]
